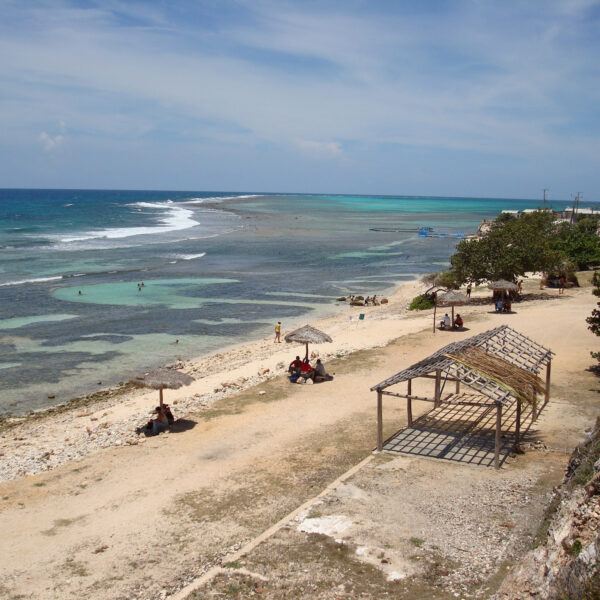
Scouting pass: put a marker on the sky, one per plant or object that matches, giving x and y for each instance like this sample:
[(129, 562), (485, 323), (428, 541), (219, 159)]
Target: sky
[(459, 98)]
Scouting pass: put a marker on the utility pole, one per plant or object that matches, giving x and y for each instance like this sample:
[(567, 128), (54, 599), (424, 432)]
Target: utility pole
[(575, 206), (545, 190)]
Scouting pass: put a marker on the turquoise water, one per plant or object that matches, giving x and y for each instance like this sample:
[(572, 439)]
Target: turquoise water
[(218, 269)]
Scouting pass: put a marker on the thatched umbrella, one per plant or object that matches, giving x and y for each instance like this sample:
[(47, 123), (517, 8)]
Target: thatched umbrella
[(451, 298), (162, 378), (306, 335), (502, 285)]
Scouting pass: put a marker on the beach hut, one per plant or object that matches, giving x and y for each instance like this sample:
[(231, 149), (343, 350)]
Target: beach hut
[(161, 379), (307, 335), (451, 298), (500, 369)]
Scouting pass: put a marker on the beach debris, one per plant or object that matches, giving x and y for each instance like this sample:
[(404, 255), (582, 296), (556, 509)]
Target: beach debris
[(51, 396), (262, 393), (341, 299), (384, 301), (100, 549)]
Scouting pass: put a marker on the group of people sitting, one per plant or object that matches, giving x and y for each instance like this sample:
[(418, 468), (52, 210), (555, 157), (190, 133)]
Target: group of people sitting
[(368, 301), (503, 305), (302, 369), (446, 322), (161, 422)]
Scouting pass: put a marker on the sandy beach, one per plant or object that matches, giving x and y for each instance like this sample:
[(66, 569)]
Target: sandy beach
[(90, 509)]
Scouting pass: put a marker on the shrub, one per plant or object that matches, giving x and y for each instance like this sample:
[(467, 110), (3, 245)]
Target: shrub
[(421, 302)]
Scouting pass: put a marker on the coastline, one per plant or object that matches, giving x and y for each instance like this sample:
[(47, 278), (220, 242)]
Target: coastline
[(104, 517), (47, 438)]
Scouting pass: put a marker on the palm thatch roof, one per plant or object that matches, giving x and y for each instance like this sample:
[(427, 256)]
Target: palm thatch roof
[(163, 378), (502, 284), (452, 297), (462, 361), (514, 379), (308, 335)]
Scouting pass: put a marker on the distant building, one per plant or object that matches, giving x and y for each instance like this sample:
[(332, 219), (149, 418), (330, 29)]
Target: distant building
[(569, 214)]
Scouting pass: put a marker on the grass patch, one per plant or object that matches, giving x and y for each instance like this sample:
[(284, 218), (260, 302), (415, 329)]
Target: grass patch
[(59, 524), (549, 514), (76, 568), (417, 542)]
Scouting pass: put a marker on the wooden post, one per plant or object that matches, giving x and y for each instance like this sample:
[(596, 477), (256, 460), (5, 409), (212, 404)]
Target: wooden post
[(533, 406), (379, 421), (409, 404), (161, 397), (518, 424), (434, 317), (498, 435), (438, 380), (547, 394), (458, 386)]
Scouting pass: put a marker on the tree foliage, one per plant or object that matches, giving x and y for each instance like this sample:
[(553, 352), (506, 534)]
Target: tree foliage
[(593, 320), (532, 242), (421, 302)]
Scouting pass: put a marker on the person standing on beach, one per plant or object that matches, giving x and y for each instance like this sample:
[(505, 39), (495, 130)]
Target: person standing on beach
[(561, 285), (277, 332), (469, 290)]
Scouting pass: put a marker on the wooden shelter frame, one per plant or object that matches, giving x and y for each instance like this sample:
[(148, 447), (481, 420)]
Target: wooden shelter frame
[(508, 344)]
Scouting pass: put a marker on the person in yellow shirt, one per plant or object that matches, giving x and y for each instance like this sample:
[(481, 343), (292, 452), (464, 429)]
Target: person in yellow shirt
[(277, 332)]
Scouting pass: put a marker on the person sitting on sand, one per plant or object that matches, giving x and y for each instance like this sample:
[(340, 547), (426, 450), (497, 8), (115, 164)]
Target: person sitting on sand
[(458, 322), (445, 323), (499, 305), (295, 365), (161, 422), (506, 306), (319, 372), (306, 370), (168, 414)]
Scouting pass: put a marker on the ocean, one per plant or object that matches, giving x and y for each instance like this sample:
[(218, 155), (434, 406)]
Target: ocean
[(217, 269)]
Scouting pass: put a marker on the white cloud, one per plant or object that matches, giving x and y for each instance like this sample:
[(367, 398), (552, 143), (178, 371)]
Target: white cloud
[(48, 142), (320, 149), (484, 78)]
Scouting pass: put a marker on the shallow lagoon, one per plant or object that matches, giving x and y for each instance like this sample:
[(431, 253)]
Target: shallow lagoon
[(216, 272)]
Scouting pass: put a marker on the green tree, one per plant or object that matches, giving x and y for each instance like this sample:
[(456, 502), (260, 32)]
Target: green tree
[(579, 242), (593, 320), (510, 248)]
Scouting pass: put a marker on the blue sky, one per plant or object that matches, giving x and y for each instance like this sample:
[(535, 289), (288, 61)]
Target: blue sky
[(455, 98)]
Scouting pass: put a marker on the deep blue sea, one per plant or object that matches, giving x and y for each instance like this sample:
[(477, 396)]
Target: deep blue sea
[(217, 268)]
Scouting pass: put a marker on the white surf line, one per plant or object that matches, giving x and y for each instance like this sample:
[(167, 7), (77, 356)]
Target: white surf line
[(212, 572)]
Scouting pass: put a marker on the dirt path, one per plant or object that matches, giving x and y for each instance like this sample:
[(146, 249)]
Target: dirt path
[(141, 521)]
